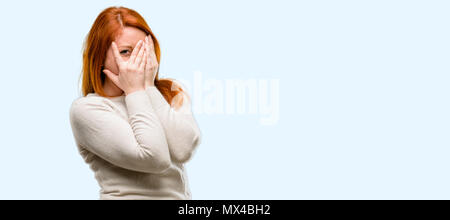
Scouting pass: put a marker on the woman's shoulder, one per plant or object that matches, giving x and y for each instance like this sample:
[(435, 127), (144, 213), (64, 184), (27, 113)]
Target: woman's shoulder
[(85, 104), (89, 99)]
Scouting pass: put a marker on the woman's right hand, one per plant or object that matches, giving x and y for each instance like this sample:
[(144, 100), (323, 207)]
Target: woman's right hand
[(131, 76)]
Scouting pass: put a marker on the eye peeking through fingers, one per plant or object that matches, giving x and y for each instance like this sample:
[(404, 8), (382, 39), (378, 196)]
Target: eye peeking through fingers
[(125, 53)]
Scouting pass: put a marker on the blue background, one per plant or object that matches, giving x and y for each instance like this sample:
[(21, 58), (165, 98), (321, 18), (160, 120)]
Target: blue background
[(364, 110)]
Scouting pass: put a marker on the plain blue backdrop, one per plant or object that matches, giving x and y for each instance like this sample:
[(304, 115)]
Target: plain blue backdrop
[(363, 98)]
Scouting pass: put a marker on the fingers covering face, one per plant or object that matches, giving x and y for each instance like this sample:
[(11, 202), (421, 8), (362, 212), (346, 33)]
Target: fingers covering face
[(136, 51), (116, 53), (139, 57), (143, 52), (143, 61), (151, 57), (147, 50)]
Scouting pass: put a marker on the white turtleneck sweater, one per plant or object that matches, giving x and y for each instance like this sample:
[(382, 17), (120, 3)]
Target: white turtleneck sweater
[(136, 144)]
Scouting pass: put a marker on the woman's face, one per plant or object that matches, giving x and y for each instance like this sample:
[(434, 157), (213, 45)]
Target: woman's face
[(125, 43)]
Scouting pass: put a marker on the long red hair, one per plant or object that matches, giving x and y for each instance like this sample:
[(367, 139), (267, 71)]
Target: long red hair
[(106, 27)]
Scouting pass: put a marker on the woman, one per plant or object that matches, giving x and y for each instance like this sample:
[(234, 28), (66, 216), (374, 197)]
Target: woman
[(124, 127)]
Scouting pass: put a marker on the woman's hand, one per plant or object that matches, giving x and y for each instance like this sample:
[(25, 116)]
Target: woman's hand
[(131, 72), (151, 66)]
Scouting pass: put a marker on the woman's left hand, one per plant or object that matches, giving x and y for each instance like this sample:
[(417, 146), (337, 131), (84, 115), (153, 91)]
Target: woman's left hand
[(151, 65)]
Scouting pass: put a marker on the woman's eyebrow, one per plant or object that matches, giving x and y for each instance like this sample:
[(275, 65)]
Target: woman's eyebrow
[(125, 46)]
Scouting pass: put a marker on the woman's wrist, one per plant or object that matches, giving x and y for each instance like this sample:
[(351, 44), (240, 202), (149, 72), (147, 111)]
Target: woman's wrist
[(149, 84), (133, 90)]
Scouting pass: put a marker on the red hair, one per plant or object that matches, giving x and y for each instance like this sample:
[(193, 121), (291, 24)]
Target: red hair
[(109, 24)]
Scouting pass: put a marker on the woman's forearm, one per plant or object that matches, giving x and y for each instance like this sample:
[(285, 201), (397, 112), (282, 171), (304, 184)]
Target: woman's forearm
[(181, 130)]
